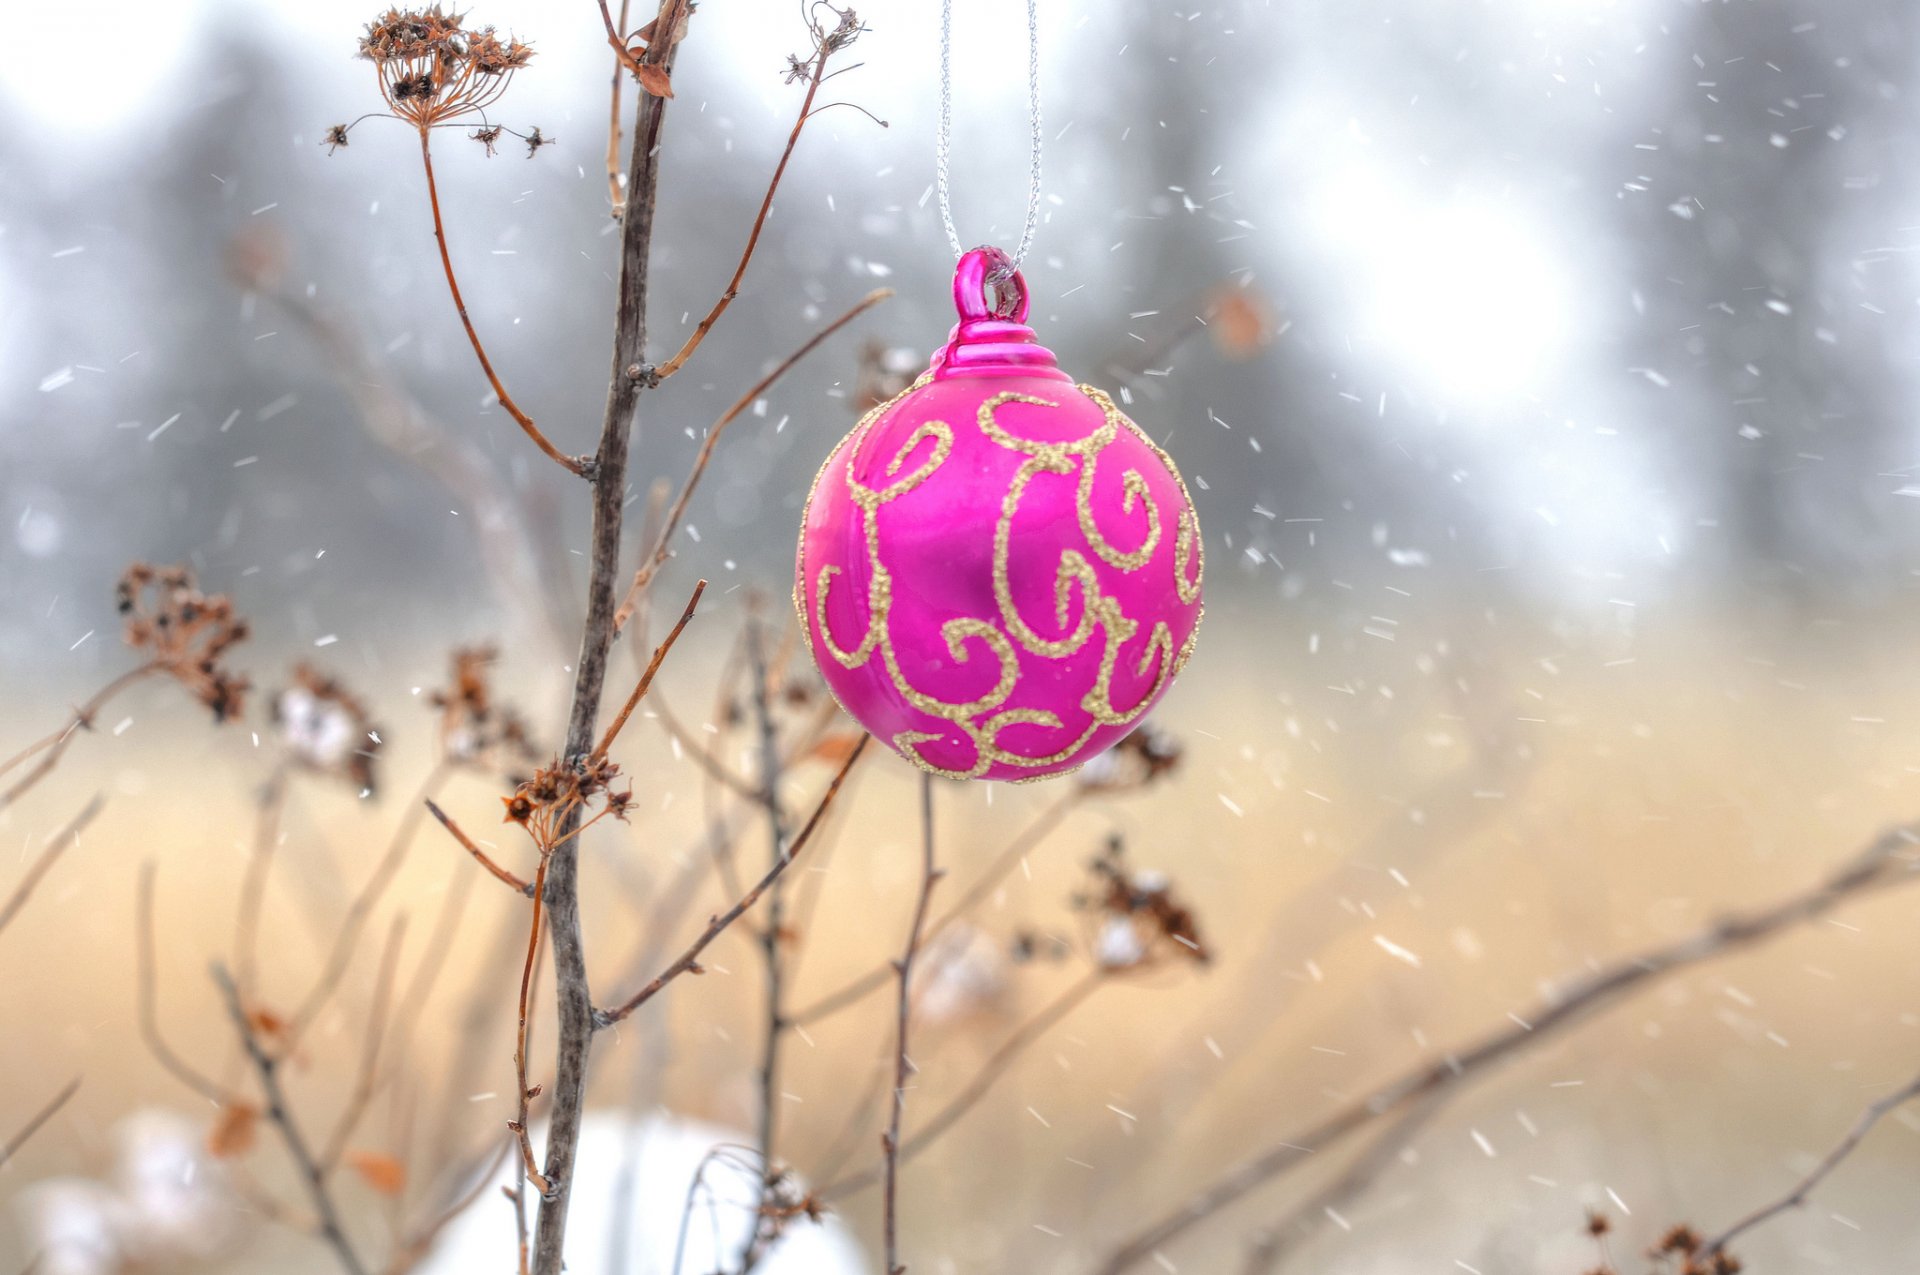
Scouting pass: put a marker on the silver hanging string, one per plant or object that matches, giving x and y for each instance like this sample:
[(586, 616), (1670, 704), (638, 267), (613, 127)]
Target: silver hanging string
[(943, 142)]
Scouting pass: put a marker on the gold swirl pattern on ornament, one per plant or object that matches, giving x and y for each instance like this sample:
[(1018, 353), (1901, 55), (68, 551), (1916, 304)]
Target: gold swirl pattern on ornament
[(976, 718)]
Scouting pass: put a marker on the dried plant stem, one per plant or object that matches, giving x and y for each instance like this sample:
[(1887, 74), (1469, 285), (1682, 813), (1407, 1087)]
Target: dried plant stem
[(253, 885), (662, 548), (902, 1063), (58, 844), (990, 1072), (1793, 1199), (156, 1043), (540, 440), (38, 1120), (1272, 1247), (369, 1072), (480, 856), (860, 988), (523, 1091), (1880, 865), (420, 1243), (688, 962), (561, 891), (816, 69), (52, 747), (647, 675), (773, 938), (341, 954), (616, 191), (267, 1069)]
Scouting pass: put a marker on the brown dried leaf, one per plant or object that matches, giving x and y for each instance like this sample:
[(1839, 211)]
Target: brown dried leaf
[(233, 1130), (382, 1172), (654, 79), (1241, 322)]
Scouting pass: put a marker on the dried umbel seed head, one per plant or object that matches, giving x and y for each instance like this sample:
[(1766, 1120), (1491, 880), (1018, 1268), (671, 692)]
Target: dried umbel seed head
[(184, 633), (433, 69), (1139, 920), (475, 730), (1147, 755), (326, 729)]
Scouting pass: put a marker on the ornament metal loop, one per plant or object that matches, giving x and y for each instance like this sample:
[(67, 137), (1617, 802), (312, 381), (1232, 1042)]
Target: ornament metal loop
[(987, 286)]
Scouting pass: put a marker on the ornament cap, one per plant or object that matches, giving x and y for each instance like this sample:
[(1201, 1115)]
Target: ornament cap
[(992, 337)]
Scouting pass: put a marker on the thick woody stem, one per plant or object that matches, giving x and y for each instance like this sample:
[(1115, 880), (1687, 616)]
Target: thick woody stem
[(630, 376)]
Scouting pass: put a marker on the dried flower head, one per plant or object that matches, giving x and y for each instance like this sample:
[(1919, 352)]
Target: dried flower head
[(1143, 757), (1139, 920), (541, 804), (433, 69), (184, 633), (327, 729), (476, 730)]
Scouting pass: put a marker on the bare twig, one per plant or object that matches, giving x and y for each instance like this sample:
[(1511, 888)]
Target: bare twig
[(267, 1069), (540, 440), (663, 542), (57, 845), (773, 938), (688, 962), (1793, 1199), (824, 47), (157, 1045), (902, 1064), (52, 747), (253, 885), (523, 1091), (417, 1245), (1274, 1245), (1880, 865), (990, 1072), (364, 1082), (38, 1120), (341, 954), (647, 676), (616, 191), (480, 856), (860, 988)]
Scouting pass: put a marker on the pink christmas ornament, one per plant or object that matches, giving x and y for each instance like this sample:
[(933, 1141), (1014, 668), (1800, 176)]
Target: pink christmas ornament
[(999, 573)]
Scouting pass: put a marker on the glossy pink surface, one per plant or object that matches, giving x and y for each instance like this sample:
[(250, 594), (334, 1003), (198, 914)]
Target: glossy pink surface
[(998, 573)]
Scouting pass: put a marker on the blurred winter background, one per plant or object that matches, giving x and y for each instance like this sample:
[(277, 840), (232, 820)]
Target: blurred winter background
[(1556, 452)]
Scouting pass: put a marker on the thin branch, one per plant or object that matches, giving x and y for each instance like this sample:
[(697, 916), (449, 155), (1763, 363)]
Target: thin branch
[(267, 1068), (990, 1072), (688, 962), (54, 746), (523, 1091), (1273, 1247), (540, 440), (1880, 865), (363, 1085), (773, 938), (816, 68), (149, 997), (616, 192), (341, 954), (253, 884), (420, 1243), (890, 1141), (39, 1119), (646, 677), (57, 845), (480, 856), (662, 548), (860, 988), (1793, 1199)]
